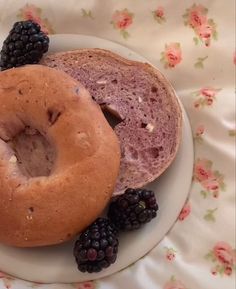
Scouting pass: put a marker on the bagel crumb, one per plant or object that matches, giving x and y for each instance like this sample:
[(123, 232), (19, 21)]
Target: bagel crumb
[(13, 159), (101, 82), (150, 127), (140, 99)]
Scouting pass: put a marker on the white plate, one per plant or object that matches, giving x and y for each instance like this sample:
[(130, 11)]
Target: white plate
[(56, 264)]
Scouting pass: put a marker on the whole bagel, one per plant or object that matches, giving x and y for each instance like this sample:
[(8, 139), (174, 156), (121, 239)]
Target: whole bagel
[(59, 158)]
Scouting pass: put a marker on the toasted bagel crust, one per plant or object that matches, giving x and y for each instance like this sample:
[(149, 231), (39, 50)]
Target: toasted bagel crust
[(46, 210)]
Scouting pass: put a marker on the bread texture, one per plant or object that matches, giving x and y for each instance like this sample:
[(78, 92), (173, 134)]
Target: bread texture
[(46, 113), (149, 115)]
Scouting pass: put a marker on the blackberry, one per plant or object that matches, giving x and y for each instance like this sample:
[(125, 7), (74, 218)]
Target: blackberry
[(25, 44), (133, 209), (97, 246)]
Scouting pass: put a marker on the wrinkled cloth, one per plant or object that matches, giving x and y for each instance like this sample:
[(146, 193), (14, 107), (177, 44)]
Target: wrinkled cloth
[(192, 43)]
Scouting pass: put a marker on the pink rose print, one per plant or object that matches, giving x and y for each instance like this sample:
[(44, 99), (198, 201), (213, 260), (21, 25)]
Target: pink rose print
[(234, 58), (121, 20), (224, 257), (202, 171), (199, 133), (85, 285), (206, 96), (32, 12), (174, 284), (200, 130), (209, 92), (205, 32), (159, 15), (212, 185), (172, 55), (186, 210), (224, 253), (211, 181), (7, 280), (160, 12), (204, 28), (170, 254), (197, 16)]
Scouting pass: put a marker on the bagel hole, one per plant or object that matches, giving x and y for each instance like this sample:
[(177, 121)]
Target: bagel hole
[(112, 117), (35, 155)]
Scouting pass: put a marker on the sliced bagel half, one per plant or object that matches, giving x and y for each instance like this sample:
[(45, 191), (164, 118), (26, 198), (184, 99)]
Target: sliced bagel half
[(147, 111)]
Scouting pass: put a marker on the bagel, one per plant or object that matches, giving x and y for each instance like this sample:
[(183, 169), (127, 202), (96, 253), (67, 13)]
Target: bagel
[(149, 116), (59, 158)]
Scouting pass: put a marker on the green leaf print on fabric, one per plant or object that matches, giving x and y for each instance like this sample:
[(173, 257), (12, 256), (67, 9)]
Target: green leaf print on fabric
[(125, 34), (34, 13), (211, 180), (232, 132), (196, 40), (204, 194), (122, 20), (87, 13), (200, 62), (173, 283), (210, 215), (205, 29)]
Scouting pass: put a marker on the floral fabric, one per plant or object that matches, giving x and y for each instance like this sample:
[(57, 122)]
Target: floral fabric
[(192, 43)]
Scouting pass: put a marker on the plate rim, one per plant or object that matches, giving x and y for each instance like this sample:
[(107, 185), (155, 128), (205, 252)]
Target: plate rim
[(185, 123)]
